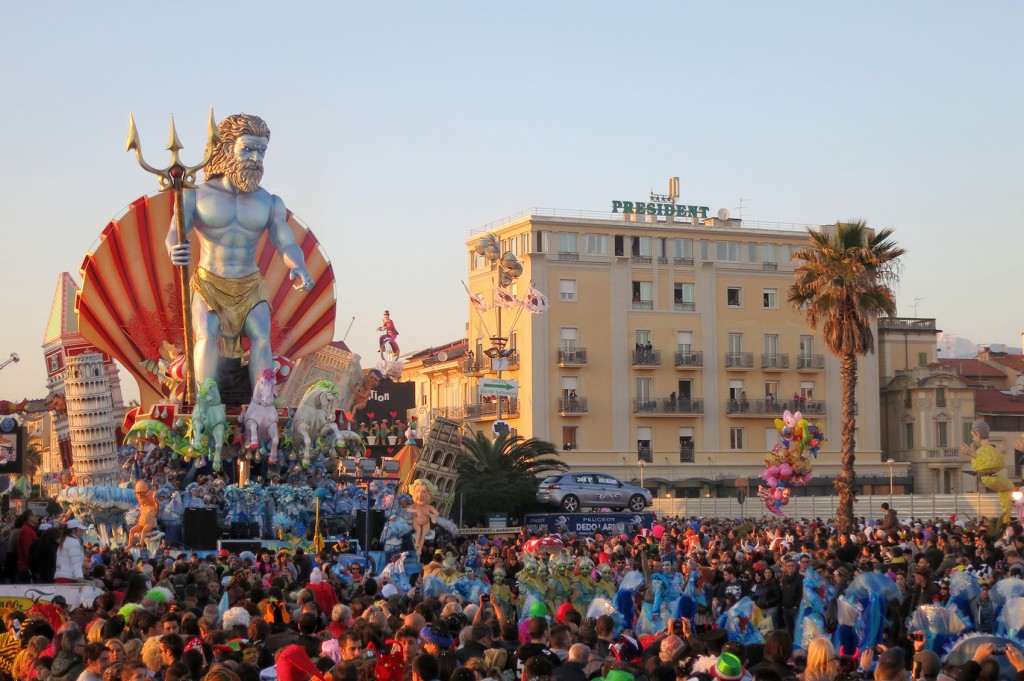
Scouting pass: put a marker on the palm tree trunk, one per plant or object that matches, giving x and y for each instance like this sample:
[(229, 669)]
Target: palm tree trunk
[(846, 481)]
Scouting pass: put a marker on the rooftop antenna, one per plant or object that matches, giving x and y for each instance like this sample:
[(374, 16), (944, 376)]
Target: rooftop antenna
[(917, 301), (739, 208)]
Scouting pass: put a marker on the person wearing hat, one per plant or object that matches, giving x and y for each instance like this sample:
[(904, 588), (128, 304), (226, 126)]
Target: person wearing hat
[(921, 592), (728, 668), (70, 554)]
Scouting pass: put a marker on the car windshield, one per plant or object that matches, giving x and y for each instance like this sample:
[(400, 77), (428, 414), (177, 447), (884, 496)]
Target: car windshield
[(551, 479)]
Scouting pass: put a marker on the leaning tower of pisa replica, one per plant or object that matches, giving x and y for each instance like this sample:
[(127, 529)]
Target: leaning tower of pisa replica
[(91, 420)]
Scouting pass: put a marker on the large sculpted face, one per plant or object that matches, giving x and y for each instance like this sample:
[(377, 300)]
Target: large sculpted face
[(245, 162)]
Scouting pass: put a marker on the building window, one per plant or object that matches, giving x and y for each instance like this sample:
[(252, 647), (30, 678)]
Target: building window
[(642, 292), (684, 341), (771, 344), (543, 242), (733, 296), (735, 343), (703, 245), (727, 251), (643, 389), (807, 390), (922, 359), (567, 242), (942, 434), (569, 336), (736, 438), (751, 252), (771, 392), (682, 294), (570, 438), (642, 337), (768, 253), (567, 290), (771, 298), (908, 399), (682, 248), (686, 445), (597, 244), (643, 445), (619, 248), (908, 435), (641, 246), (806, 346), (940, 397)]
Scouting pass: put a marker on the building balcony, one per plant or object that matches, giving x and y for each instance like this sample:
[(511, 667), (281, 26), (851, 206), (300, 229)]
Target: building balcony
[(739, 360), (572, 406), (686, 454), (681, 306), (641, 259), (662, 261), (774, 361), (810, 362), (769, 266), (689, 360), (455, 413), (644, 454), (572, 357), (942, 454), (668, 406), (646, 358), (685, 262), (907, 323), (773, 408), (486, 411), (473, 366), (565, 255), (643, 304)]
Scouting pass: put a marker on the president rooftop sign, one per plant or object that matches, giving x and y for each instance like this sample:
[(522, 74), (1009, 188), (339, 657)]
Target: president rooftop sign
[(666, 209)]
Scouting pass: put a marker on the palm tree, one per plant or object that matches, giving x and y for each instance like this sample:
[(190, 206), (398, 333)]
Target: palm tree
[(843, 282), (501, 474)]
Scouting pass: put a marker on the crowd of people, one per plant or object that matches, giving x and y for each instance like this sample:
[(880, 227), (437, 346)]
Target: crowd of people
[(696, 599)]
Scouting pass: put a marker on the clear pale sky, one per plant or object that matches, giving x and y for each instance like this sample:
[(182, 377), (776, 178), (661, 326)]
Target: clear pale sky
[(398, 127)]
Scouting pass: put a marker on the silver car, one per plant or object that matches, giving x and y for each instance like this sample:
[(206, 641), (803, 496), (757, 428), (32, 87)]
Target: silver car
[(573, 491)]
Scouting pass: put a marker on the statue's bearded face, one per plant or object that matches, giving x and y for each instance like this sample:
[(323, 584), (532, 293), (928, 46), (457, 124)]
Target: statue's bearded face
[(245, 163)]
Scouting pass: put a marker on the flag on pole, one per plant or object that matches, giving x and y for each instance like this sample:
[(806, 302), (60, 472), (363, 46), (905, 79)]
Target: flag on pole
[(502, 298), (535, 301), (479, 303)]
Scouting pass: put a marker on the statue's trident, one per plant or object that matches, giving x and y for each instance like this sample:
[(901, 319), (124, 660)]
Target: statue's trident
[(178, 177)]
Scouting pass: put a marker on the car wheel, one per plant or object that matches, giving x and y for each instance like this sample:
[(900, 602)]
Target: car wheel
[(637, 503), (570, 503)]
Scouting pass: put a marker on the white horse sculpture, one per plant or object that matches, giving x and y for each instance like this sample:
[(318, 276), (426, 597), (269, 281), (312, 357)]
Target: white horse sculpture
[(209, 418), (314, 417), (259, 417)]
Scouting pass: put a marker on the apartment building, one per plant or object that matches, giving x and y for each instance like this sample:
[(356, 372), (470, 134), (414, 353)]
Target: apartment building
[(667, 351)]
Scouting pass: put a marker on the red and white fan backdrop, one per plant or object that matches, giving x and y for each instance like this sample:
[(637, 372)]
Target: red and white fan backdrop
[(129, 302)]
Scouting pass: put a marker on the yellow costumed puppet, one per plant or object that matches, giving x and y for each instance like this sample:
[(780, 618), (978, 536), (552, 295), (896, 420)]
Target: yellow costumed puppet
[(988, 463)]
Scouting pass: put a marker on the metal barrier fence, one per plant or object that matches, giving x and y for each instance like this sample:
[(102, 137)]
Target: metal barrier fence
[(970, 505)]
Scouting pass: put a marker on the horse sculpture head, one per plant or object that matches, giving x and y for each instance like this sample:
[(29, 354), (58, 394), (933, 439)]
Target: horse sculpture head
[(263, 393)]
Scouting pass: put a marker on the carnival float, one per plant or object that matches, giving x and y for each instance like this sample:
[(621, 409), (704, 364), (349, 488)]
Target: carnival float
[(208, 293)]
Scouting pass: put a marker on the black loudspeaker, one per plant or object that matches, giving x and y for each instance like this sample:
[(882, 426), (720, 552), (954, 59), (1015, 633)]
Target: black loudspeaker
[(376, 527), (244, 531), (200, 529)]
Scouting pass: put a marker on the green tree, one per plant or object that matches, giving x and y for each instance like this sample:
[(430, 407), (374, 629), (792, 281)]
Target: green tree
[(842, 282), (500, 475)]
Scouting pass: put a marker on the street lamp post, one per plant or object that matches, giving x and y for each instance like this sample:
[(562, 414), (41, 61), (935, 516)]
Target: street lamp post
[(891, 461)]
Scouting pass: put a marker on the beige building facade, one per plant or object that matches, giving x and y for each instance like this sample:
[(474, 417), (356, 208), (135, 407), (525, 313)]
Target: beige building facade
[(667, 351)]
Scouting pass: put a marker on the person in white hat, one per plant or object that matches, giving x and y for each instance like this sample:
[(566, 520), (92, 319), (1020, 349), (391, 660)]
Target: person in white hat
[(70, 555)]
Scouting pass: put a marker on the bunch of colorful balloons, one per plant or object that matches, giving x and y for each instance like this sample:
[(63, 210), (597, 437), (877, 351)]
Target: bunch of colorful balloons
[(787, 465)]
